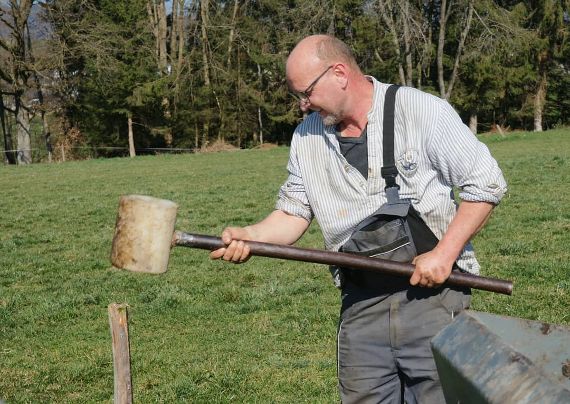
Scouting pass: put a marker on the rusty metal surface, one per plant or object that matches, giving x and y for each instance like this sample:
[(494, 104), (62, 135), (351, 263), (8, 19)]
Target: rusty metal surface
[(484, 358)]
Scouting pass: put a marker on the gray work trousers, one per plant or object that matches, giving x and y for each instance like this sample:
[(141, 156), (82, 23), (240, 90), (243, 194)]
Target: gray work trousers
[(384, 353)]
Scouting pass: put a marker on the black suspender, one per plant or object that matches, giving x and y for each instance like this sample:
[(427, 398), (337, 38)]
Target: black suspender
[(389, 171)]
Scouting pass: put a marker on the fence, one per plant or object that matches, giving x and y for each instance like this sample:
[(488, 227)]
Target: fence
[(63, 153)]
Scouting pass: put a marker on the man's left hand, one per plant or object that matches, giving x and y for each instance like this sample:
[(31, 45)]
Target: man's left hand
[(432, 269)]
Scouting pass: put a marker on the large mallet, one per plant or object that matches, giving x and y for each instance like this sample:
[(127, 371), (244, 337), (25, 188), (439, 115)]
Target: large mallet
[(144, 235)]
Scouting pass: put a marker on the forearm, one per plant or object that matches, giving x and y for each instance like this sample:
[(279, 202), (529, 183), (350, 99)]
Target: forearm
[(469, 219), (434, 267), (278, 227)]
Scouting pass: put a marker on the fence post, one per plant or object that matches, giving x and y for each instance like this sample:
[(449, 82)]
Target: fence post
[(123, 393)]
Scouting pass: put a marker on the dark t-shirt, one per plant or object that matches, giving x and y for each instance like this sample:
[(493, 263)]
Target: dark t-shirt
[(355, 150)]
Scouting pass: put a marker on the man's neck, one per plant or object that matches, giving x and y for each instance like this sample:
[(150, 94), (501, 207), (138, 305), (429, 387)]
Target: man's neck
[(359, 105)]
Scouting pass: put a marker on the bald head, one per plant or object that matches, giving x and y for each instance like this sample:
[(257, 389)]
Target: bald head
[(316, 51)]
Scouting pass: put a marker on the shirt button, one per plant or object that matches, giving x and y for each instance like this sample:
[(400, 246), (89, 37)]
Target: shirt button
[(346, 168)]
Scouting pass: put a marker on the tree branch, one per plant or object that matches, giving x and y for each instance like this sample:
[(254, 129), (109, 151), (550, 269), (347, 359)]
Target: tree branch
[(464, 34), (391, 26)]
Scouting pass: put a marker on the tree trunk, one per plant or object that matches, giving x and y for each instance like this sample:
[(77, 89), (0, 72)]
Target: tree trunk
[(222, 129), (157, 14), (445, 11), (18, 60), (232, 32), (196, 137), (386, 14), (156, 10), (204, 37), (162, 35), (259, 120), (204, 17), (151, 11), (178, 31), (460, 46), (426, 53), (443, 14), (260, 125), (473, 123), (23, 135), (9, 155), (539, 101), (132, 152), (46, 135), (405, 6), (181, 36), (174, 31), (238, 101)]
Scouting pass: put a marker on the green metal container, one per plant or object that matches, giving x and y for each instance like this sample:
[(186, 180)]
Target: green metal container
[(485, 358)]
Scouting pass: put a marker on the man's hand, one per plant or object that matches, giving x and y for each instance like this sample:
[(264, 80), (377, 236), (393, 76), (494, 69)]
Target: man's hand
[(236, 250), (432, 269), (278, 228)]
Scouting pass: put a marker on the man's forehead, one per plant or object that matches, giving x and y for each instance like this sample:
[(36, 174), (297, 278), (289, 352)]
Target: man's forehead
[(300, 72)]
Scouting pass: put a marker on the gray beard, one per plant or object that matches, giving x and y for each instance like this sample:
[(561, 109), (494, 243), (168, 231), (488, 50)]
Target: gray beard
[(331, 120)]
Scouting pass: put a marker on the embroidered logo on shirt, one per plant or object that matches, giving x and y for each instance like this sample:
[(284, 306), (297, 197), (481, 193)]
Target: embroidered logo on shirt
[(408, 162)]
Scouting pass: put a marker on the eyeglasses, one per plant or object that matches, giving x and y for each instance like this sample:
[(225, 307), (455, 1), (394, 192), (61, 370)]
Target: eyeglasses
[(303, 96)]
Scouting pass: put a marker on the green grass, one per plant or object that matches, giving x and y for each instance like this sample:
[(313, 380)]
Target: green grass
[(214, 332)]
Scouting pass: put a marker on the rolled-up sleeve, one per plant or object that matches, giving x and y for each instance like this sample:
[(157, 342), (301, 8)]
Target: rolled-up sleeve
[(463, 160), (292, 196)]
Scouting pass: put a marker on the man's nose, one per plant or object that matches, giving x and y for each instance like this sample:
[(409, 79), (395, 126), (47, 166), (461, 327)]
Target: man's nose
[(304, 105)]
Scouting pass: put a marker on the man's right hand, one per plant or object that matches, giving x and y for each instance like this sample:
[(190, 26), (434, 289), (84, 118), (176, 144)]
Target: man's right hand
[(236, 250), (278, 228)]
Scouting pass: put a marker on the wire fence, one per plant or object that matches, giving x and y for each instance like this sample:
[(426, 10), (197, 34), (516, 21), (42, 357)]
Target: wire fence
[(65, 153), (191, 150)]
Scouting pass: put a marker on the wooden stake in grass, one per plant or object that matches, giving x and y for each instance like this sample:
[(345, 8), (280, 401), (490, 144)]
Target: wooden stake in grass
[(121, 355)]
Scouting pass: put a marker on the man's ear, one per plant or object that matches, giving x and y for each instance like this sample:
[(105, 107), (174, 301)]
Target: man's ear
[(340, 72)]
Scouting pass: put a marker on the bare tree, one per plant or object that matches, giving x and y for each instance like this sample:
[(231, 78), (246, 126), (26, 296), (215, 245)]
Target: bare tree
[(157, 14), (385, 7), (445, 12), (232, 31), (405, 23), (16, 74), (540, 99), (204, 23), (41, 103), (177, 45), (9, 154)]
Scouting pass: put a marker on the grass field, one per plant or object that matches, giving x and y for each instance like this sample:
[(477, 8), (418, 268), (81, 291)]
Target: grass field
[(215, 332)]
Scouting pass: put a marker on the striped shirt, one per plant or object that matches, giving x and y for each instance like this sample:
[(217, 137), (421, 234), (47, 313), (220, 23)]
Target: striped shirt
[(434, 152)]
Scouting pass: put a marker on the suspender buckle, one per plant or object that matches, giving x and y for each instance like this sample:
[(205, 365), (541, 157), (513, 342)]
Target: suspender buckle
[(389, 174)]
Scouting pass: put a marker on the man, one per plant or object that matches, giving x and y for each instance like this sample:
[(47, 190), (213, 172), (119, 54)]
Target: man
[(334, 176)]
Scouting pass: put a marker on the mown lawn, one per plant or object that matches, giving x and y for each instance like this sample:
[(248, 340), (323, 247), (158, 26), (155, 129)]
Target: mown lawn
[(215, 332)]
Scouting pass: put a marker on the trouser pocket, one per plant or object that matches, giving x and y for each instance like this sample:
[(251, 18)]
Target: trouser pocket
[(453, 300)]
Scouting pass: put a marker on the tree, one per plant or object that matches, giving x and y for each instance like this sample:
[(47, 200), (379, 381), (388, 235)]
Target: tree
[(547, 18), (462, 28), (492, 83), (16, 73), (108, 70), (214, 70)]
